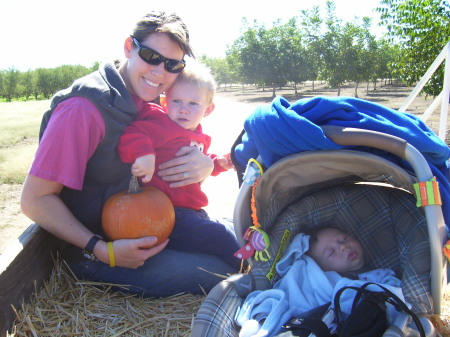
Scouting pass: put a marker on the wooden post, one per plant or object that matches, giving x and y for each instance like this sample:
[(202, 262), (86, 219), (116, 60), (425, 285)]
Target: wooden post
[(24, 267)]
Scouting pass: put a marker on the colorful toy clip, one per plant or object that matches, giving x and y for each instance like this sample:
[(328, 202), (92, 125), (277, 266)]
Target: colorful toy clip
[(258, 243), (446, 250)]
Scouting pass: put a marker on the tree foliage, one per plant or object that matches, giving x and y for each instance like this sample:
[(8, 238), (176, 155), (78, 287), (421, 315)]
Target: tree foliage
[(39, 83), (308, 47), (422, 28)]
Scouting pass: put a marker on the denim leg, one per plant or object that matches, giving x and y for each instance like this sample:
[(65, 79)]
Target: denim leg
[(194, 231), (168, 273)]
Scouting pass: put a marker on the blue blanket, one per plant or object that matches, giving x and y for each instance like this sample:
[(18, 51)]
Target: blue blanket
[(280, 129)]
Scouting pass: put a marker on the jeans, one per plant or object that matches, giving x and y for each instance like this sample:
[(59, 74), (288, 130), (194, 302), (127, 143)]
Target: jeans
[(195, 232), (167, 273)]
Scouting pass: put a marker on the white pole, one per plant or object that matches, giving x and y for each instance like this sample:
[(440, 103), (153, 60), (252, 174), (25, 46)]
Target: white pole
[(425, 78), (433, 106), (445, 96)]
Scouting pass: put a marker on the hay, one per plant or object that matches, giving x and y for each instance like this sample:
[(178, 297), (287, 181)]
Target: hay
[(66, 306)]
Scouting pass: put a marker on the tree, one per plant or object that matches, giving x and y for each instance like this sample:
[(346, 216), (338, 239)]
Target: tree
[(247, 50), (422, 28), (311, 21), (295, 63), (46, 81), (258, 55), (276, 56), (11, 83), (28, 84), (334, 69), (219, 70)]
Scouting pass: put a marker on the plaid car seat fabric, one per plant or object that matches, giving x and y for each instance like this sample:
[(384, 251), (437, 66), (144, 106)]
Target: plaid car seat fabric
[(391, 229)]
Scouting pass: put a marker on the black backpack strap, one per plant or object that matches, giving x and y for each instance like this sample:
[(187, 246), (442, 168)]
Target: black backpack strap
[(388, 295)]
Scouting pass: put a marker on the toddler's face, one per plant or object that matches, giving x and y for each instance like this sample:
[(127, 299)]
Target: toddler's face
[(187, 105), (338, 251)]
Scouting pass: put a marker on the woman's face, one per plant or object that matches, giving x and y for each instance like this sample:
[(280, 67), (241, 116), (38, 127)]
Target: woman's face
[(144, 80)]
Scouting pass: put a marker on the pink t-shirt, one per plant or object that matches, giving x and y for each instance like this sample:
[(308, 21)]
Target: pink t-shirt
[(71, 137)]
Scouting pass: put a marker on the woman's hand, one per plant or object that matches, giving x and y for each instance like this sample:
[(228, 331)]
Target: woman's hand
[(190, 166), (130, 253)]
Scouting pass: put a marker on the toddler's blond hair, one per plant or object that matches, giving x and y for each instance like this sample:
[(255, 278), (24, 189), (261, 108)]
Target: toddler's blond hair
[(198, 74)]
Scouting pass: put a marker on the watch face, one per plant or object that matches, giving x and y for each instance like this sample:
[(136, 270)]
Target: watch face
[(89, 255)]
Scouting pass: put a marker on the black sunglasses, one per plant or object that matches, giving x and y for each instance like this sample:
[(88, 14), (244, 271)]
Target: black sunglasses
[(154, 58)]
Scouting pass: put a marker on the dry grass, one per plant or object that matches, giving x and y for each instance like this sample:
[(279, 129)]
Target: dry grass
[(66, 306)]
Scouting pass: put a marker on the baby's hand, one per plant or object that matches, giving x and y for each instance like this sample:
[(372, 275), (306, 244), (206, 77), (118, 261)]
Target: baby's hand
[(225, 162), (144, 167)]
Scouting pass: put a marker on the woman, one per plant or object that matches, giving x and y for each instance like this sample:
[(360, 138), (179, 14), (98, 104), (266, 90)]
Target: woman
[(77, 168)]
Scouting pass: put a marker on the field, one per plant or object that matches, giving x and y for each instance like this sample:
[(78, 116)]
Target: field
[(20, 124)]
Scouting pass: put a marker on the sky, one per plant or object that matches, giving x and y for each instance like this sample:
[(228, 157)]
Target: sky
[(49, 33)]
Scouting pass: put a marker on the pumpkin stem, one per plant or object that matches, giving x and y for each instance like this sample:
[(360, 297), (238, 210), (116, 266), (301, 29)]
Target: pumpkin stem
[(134, 185)]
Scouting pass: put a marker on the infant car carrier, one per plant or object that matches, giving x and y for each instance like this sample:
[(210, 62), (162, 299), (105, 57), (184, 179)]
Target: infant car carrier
[(366, 192)]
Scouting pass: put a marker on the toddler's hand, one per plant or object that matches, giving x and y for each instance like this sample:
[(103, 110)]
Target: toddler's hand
[(144, 167), (225, 162)]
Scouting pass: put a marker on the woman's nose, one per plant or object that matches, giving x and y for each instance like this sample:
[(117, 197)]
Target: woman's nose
[(158, 69)]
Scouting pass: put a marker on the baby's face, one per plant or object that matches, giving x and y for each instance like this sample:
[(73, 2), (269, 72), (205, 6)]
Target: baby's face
[(338, 251)]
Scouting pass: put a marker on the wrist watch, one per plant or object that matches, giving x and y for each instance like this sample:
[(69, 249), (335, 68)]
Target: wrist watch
[(88, 251)]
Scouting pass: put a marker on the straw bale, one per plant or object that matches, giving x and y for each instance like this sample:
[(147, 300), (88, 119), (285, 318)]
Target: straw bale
[(66, 306)]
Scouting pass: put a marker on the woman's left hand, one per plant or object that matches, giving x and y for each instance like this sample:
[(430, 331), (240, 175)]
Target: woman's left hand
[(190, 166)]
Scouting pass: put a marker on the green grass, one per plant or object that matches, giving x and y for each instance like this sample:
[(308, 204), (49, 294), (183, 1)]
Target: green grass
[(19, 128)]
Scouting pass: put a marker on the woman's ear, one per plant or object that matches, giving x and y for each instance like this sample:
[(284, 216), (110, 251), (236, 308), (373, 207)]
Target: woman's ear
[(128, 45), (209, 109)]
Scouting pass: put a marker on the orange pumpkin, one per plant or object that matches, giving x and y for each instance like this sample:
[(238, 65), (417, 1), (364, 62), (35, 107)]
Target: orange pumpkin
[(138, 212)]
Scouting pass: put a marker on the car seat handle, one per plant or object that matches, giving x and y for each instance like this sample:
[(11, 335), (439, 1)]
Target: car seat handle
[(361, 137)]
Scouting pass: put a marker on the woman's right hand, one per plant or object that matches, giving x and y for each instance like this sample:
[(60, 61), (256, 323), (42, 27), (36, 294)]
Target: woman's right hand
[(130, 253)]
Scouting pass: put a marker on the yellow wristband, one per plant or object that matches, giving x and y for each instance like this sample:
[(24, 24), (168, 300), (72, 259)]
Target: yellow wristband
[(112, 259)]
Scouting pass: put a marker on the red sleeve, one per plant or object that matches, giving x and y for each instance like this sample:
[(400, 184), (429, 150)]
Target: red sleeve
[(207, 140), (140, 136), (217, 168)]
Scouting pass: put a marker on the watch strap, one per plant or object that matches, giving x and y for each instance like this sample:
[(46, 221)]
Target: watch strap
[(88, 251)]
